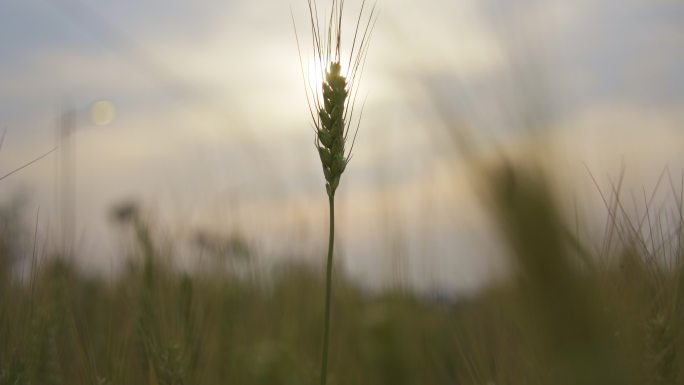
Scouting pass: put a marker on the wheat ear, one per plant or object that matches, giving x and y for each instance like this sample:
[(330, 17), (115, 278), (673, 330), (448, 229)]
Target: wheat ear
[(332, 113)]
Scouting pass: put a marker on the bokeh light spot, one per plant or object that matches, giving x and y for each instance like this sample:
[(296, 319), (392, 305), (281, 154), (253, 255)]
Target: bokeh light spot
[(102, 112)]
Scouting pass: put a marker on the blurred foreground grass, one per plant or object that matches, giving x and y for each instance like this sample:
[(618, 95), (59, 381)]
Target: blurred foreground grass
[(567, 315)]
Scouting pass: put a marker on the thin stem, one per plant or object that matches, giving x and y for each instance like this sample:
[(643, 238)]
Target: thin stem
[(328, 289)]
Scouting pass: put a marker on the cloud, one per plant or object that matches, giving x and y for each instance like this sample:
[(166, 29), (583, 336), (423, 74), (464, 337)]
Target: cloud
[(210, 105)]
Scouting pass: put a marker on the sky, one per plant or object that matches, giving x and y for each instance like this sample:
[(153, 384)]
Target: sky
[(211, 129)]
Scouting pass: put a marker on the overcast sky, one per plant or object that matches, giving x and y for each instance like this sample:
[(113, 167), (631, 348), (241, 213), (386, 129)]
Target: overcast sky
[(211, 124)]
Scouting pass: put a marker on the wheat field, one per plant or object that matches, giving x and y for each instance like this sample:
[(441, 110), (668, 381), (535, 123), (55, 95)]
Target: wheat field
[(574, 305)]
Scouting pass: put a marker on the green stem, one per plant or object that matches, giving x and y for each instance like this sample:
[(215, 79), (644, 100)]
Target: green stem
[(328, 289)]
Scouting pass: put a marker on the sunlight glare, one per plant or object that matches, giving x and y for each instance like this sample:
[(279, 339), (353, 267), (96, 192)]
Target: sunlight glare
[(315, 74)]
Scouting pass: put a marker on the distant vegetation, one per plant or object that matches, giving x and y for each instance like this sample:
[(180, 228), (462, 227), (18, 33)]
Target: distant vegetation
[(568, 315)]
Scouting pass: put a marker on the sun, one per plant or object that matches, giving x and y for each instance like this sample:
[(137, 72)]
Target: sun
[(315, 76)]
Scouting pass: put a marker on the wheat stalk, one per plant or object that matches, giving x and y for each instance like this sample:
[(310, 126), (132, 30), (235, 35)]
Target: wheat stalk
[(332, 112)]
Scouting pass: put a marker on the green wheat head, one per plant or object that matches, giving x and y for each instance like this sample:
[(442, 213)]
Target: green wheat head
[(330, 138), (332, 109)]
